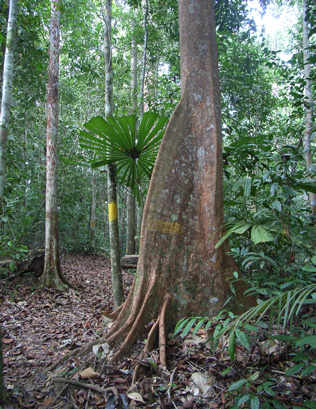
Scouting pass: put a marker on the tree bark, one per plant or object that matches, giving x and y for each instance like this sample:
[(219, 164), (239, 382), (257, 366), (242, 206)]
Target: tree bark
[(134, 77), (4, 127), (183, 214), (7, 92), (116, 270), (142, 78), (131, 206), (131, 223), (52, 276), (3, 393), (309, 107), (93, 212)]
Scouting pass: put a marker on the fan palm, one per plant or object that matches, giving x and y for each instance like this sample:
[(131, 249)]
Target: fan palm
[(119, 141)]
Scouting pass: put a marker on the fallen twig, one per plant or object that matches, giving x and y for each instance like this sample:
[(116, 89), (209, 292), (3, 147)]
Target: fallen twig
[(170, 388), (90, 386)]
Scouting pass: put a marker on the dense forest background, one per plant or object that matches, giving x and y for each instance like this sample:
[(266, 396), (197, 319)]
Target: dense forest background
[(263, 108), (267, 96)]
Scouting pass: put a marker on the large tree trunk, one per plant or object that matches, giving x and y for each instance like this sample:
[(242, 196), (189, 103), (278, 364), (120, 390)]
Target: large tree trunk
[(7, 92), (116, 270), (309, 106), (52, 276), (183, 217)]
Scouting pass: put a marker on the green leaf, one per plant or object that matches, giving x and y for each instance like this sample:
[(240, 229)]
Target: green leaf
[(237, 385), (180, 325), (277, 205), (289, 191), (253, 377), (189, 326), (260, 234), (239, 228), (268, 390), (308, 370), (115, 140), (308, 187), (296, 368), (199, 325), (243, 400), (310, 405), (12, 266), (309, 339), (254, 402), (247, 187), (242, 338), (231, 347)]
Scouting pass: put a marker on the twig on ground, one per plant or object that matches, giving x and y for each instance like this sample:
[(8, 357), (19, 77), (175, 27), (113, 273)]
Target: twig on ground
[(90, 386), (62, 359), (88, 397), (170, 388), (59, 394)]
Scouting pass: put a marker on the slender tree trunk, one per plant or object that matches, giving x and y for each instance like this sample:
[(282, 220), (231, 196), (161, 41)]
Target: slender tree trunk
[(116, 270), (118, 295), (93, 212), (123, 218), (3, 393), (157, 76), (134, 77), (4, 128), (7, 92), (309, 106), (142, 78), (52, 276), (131, 207)]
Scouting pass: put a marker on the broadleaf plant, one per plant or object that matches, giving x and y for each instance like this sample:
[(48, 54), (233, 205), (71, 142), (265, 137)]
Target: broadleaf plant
[(133, 149)]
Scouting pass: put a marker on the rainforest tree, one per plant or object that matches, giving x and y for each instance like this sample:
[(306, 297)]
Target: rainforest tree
[(7, 92), (179, 269), (52, 276)]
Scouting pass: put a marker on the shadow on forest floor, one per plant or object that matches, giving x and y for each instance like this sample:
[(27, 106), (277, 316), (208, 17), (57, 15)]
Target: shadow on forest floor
[(40, 326)]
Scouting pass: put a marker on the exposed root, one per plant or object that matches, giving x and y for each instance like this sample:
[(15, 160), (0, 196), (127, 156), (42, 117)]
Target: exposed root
[(162, 331), (128, 313), (90, 386), (61, 393), (88, 348), (131, 327), (114, 314), (158, 328), (62, 359), (133, 332), (151, 339)]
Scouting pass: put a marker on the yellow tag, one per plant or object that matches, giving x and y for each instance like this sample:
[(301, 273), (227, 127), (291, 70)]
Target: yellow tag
[(112, 211)]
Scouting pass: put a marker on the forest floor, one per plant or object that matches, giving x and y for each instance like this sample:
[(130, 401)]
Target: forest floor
[(40, 326)]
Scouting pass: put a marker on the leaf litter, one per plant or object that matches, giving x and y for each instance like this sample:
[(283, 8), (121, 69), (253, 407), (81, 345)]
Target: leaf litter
[(40, 326)]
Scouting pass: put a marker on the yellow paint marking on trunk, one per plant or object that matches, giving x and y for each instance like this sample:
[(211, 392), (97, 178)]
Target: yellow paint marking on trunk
[(166, 227), (112, 211)]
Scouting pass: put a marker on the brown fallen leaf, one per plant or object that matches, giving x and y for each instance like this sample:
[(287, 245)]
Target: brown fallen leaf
[(89, 373), (7, 340)]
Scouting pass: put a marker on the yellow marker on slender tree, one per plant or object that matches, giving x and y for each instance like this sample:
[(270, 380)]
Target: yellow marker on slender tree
[(112, 211)]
